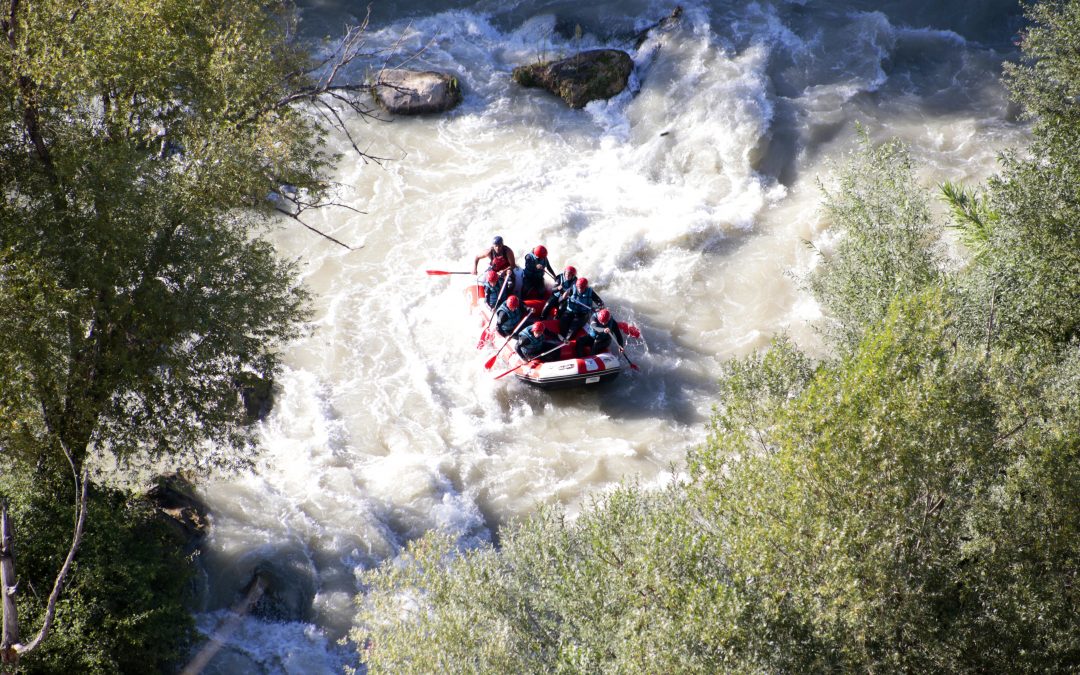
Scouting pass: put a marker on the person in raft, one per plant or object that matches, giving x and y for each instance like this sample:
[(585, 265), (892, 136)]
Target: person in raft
[(535, 341), (509, 315), (536, 262), (576, 306), (563, 284), (599, 331), (500, 257), (494, 291)]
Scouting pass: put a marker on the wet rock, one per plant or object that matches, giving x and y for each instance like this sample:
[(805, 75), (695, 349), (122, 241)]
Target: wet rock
[(174, 496), (410, 92), (257, 394), (584, 77), (665, 24)]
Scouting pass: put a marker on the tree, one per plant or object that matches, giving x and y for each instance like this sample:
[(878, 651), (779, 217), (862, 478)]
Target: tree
[(140, 142), (889, 243), (1026, 285)]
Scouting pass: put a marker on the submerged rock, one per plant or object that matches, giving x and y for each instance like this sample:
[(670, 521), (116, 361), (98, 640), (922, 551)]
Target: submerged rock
[(410, 92), (174, 497), (584, 77), (257, 393)]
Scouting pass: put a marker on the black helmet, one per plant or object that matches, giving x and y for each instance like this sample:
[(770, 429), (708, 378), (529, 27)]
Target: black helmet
[(497, 241)]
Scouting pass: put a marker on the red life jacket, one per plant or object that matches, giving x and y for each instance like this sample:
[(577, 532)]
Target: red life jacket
[(499, 261)]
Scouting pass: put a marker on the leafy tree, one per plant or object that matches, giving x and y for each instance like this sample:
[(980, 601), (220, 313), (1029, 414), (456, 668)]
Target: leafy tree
[(596, 594), (143, 145), (846, 519), (890, 510), (1026, 286)]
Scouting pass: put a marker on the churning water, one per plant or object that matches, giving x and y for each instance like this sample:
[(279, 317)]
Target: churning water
[(687, 201)]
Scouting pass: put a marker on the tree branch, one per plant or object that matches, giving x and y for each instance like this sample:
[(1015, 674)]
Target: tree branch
[(81, 491), (296, 217)]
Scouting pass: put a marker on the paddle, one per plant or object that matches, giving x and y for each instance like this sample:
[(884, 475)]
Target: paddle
[(487, 329), (443, 272), (491, 361), (632, 365), (525, 363)]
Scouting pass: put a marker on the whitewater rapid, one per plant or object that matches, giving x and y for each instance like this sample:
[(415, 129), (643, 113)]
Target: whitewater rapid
[(688, 201)]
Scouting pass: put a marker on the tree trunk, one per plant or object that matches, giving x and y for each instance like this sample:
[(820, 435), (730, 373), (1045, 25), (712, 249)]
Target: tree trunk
[(10, 636)]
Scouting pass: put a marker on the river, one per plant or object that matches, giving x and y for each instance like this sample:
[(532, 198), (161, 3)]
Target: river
[(687, 201)]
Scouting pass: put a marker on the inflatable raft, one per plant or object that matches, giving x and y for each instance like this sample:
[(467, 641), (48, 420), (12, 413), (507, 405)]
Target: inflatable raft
[(558, 370)]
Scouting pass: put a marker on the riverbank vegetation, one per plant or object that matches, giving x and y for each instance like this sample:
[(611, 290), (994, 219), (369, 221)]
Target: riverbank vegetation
[(144, 144), (907, 503)]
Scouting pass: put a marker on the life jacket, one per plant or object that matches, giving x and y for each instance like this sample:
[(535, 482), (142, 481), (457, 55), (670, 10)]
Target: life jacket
[(491, 293), (595, 329), (580, 303), (532, 345), (499, 261), (509, 318), (562, 284), (530, 272)]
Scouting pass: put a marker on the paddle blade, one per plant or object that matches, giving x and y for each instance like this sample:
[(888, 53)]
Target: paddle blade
[(436, 272), (490, 362), (630, 329), (485, 337)]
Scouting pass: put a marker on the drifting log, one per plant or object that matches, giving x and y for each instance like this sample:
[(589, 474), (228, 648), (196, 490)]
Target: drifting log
[(255, 591)]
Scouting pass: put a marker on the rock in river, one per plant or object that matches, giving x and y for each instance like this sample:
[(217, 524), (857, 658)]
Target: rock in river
[(410, 92), (583, 77)]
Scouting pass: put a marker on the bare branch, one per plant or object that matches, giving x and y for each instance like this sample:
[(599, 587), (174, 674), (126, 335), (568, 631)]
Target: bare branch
[(81, 489), (315, 230)]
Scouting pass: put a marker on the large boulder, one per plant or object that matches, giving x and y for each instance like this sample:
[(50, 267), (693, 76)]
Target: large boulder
[(410, 92), (587, 76)]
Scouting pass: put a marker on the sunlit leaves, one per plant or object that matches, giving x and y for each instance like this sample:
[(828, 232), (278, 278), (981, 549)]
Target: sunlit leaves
[(888, 242)]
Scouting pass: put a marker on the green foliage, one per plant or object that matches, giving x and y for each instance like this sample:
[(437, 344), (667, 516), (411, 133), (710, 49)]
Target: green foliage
[(1026, 286), (123, 609), (600, 593), (893, 510), (133, 132), (1047, 82), (972, 216), (847, 529), (140, 141), (889, 244)]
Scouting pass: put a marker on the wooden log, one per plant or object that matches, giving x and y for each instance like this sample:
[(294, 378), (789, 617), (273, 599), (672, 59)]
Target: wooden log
[(255, 591), (10, 635)]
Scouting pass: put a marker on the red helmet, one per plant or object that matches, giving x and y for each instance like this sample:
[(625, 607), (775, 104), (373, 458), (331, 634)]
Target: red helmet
[(540, 252), (538, 328), (512, 302), (491, 277), (604, 316), (582, 284), (570, 271)]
